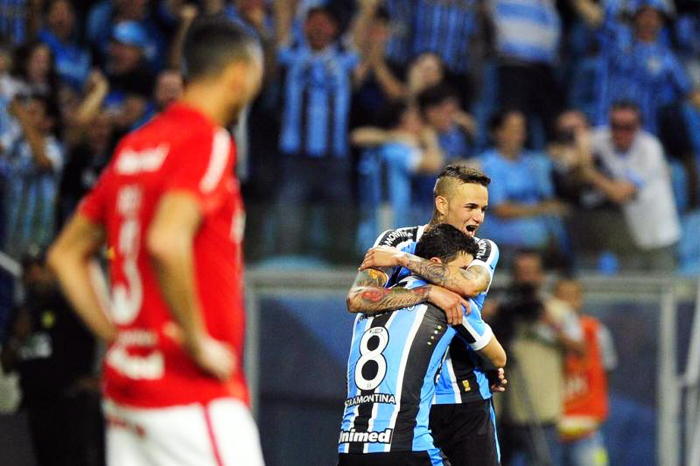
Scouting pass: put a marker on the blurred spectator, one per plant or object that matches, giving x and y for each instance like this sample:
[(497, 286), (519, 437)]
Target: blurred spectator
[(585, 384), (424, 71), (130, 79), (687, 33), (446, 29), (254, 15), (449, 29), (15, 19), (521, 197), (679, 131), (104, 17), (60, 34), (34, 71), (570, 152), (439, 107), (406, 147), (379, 84), (55, 357), (635, 175), (538, 331), (313, 137), (641, 69), (400, 47), (527, 41), (5, 67), (31, 160), (84, 164), (168, 88)]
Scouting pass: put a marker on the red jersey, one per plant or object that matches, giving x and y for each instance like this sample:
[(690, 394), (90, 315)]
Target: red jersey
[(180, 150)]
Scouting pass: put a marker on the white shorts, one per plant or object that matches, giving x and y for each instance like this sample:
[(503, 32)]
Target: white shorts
[(220, 433)]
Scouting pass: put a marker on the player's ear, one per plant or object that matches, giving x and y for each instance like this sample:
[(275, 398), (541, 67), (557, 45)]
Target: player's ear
[(441, 204), (435, 260), (235, 73)]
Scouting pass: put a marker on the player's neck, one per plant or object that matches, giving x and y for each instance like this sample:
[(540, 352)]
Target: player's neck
[(207, 101)]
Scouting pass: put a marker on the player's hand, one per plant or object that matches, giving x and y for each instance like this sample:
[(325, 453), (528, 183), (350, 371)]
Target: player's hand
[(383, 256), (497, 380), (213, 357), (452, 304)]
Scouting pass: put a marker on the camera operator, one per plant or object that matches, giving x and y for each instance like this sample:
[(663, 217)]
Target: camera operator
[(571, 152), (537, 332)]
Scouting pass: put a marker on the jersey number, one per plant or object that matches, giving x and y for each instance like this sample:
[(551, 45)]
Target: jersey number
[(374, 356), (127, 297)]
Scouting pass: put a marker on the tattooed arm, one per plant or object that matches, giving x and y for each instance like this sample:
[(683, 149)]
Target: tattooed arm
[(468, 283), (369, 296)]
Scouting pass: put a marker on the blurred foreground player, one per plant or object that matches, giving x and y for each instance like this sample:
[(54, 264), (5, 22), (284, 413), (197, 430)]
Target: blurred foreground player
[(394, 362), (169, 208)]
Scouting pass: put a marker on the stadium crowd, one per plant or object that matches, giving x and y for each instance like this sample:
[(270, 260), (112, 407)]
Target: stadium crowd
[(586, 114)]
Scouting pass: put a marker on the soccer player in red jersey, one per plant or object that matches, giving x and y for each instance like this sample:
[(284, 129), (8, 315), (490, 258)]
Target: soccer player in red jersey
[(169, 208)]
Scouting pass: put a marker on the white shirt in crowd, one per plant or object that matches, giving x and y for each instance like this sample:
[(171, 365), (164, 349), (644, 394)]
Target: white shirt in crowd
[(651, 215)]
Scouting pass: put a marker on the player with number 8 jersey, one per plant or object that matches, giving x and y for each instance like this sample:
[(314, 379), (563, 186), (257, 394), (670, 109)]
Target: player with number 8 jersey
[(394, 361)]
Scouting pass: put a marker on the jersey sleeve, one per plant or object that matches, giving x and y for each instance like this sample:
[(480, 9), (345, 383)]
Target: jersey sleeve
[(201, 167), (402, 239), (473, 329), (396, 238), (486, 258)]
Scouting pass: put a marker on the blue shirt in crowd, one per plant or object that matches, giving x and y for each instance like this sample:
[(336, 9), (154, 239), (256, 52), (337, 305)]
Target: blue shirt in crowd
[(399, 47), (100, 25), (692, 121), (648, 74), (525, 180), (446, 28), (72, 61), (317, 94), (528, 31), (28, 192)]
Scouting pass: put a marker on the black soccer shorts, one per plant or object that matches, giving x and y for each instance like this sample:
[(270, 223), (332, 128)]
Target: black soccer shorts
[(397, 458), (466, 433)]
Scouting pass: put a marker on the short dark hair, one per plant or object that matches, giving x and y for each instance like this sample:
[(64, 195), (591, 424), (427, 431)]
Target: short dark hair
[(212, 42), (445, 242), (434, 96)]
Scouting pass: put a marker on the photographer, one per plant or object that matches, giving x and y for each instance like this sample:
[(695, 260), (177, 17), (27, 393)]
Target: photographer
[(538, 332), (570, 153)]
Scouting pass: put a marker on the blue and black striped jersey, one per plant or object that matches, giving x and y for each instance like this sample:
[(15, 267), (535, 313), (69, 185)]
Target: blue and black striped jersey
[(462, 379), (394, 361)]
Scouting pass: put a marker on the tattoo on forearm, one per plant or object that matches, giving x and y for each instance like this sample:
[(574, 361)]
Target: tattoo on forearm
[(451, 278), (382, 299), (370, 277)]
